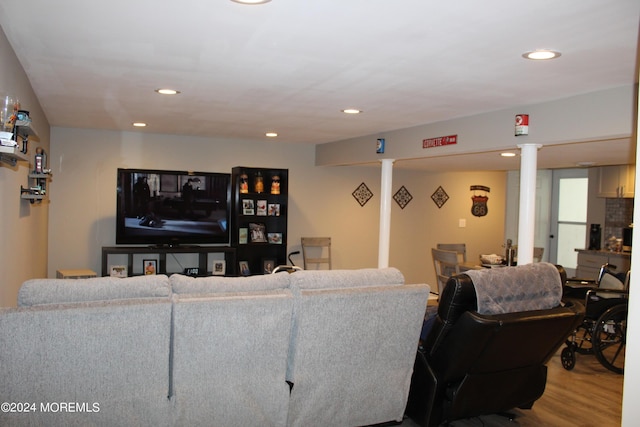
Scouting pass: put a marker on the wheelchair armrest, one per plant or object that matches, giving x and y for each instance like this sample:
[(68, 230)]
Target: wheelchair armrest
[(577, 289), (607, 293), (581, 282)]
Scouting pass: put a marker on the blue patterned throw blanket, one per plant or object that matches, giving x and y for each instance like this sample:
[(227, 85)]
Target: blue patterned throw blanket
[(528, 287)]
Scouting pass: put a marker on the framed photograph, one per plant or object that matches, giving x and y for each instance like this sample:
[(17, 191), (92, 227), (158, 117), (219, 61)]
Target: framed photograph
[(257, 232), (149, 266), (275, 238), (219, 267), (261, 208), (273, 209), (248, 207), (268, 265), (118, 270), (244, 268), (243, 235)]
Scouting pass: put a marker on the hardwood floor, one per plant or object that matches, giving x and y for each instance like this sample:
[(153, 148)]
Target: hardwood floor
[(587, 396)]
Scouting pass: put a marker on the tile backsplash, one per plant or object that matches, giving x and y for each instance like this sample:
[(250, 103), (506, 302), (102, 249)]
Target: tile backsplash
[(618, 214)]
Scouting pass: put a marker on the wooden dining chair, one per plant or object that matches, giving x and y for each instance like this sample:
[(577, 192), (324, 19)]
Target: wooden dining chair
[(538, 252), (316, 251), (460, 248), (446, 264)]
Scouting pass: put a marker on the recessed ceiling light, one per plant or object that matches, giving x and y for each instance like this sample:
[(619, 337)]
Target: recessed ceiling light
[(351, 111), (167, 91), (541, 54), (139, 124), (251, 1), (271, 134), (508, 154), (585, 164)]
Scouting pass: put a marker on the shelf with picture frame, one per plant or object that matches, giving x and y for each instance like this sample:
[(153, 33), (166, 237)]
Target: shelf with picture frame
[(124, 261), (259, 199)]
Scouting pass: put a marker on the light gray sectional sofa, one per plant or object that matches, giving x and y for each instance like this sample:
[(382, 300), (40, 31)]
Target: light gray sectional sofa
[(330, 348)]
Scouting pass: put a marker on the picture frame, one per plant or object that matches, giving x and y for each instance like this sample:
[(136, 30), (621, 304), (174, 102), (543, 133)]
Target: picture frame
[(243, 235), (244, 268), (257, 232), (219, 267), (248, 207), (274, 238), (268, 264), (118, 271), (261, 208), (273, 209), (149, 266)]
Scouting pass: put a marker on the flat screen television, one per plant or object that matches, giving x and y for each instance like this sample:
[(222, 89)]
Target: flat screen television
[(163, 207)]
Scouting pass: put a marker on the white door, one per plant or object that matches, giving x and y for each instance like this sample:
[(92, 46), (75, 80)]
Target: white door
[(568, 217)]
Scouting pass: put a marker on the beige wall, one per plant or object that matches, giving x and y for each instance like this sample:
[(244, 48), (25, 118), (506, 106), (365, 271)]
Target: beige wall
[(82, 212), (23, 226)]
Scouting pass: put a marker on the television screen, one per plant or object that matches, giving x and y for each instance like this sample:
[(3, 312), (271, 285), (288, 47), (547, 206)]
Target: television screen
[(172, 207)]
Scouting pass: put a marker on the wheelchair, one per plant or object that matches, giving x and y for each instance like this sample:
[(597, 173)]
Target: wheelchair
[(604, 328)]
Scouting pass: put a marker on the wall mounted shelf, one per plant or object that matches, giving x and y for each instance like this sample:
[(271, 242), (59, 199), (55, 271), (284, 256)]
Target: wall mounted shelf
[(12, 155), (35, 193)]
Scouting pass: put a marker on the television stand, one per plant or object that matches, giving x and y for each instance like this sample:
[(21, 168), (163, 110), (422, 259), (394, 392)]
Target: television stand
[(160, 253)]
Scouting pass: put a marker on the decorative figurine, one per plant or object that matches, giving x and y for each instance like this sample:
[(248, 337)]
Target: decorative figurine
[(275, 184), (244, 183), (259, 183), (39, 160)]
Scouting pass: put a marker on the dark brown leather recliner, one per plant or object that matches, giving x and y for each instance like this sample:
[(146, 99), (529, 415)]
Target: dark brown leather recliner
[(472, 364)]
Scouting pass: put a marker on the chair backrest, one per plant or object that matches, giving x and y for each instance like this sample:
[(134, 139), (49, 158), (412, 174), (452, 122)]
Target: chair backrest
[(460, 248), (353, 344), (316, 251), (446, 265), (618, 282), (538, 252)]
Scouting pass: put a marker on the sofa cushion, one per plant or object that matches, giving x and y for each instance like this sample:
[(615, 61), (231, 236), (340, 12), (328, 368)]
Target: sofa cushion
[(330, 279), (217, 284), (229, 358), (60, 291), (111, 355)]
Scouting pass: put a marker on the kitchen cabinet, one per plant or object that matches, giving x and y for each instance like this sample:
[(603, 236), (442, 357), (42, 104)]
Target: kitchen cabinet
[(617, 181), (589, 263)]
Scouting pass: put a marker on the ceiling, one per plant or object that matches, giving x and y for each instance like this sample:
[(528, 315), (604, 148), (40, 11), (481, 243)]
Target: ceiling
[(291, 66)]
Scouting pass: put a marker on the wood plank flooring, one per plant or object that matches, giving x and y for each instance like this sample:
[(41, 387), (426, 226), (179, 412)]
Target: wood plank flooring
[(587, 396)]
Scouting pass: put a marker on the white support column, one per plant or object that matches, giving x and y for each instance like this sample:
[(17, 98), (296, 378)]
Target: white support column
[(527, 220), (385, 213)]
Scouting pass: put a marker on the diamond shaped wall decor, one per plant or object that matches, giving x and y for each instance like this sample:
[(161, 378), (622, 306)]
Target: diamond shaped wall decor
[(362, 194), (402, 197), (440, 197)]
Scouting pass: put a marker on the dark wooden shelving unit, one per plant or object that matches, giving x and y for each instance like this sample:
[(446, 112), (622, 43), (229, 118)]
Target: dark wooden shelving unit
[(274, 219)]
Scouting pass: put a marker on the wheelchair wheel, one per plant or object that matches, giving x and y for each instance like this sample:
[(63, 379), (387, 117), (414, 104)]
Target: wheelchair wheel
[(609, 338), (568, 358)]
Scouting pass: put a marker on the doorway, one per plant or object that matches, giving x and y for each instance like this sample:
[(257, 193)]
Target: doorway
[(568, 217)]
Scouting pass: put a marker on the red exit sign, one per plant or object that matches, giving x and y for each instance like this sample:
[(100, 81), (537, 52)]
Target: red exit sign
[(440, 141)]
